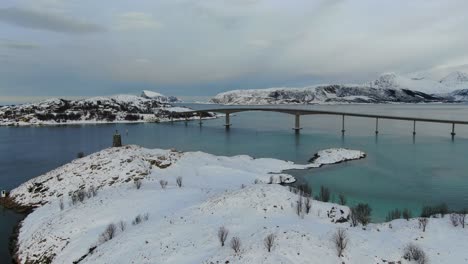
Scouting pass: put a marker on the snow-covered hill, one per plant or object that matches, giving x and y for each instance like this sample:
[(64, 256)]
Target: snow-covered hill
[(388, 88), (118, 108), (159, 97), (160, 223)]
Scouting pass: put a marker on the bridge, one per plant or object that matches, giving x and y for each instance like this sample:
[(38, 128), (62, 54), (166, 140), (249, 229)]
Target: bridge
[(300, 112)]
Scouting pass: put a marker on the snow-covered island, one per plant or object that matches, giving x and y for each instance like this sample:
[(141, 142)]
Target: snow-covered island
[(149, 107), (137, 205), (388, 88)]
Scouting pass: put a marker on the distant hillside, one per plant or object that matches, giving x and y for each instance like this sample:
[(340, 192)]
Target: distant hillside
[(119, 108)]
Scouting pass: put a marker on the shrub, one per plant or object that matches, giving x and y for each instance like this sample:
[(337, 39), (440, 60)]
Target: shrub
[(340, 239), (413, 252), (423, 221), (138, 184), (307, 205), (222, 235), (305, 190), (454, 219), (428, 211), (80, 155), (235, 244), (299, 206), (140, 218), (122, 226), (91, 192), (269, 242), (324, 194), (461, 217), (179, 181), (163, 184), (362, 213), (342, 199), (394, 214), (108, 233), (61, 205), (406, 214)]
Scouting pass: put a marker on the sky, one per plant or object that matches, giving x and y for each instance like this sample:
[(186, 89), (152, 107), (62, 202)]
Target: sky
[(202, 47)]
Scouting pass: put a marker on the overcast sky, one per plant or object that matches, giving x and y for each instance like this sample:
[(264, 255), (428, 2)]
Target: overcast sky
[(202, 47)]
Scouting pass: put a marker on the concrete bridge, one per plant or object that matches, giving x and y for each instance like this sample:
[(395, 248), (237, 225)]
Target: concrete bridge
[(297, 113)]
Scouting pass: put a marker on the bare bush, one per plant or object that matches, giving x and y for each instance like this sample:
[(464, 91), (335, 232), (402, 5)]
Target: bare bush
[(78, 196), (340, 239), (222, 235), (61, 205), (163, 184), (394, 214), (270, 181), (406, 214), (461, 217), (423, 221), (353, 217), (454, 219), (256, 181), (179, 181), (307, 204), (243, 186), (137, 183), (324, 194), (412, 252), (438, 210), (92, 191), (304, 190), (342, 199), (140, 218), (122, 226), (235, 244), (108, 233), (361, 213), (299, 206), (269, 241)]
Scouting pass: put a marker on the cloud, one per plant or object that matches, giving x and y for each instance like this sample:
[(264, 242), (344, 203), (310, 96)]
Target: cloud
[(137, 21), (18, 45), (37, 19)]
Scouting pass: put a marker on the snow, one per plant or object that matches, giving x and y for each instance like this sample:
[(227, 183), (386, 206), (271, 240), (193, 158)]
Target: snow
[(183, 222), (158, 97)]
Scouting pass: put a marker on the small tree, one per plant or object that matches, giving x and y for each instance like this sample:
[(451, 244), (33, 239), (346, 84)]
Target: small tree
[(394, 214), (423, 221), (179, 181), (222, 235), (406, 214), (342, 199), (138, 183), (269, 242), (362, 213), (235, 244), (108, 233), (122, 226), (307, 205), (163, 184), (412, 252), (340, 239), (305, 190), (353, 217), (324, 194)]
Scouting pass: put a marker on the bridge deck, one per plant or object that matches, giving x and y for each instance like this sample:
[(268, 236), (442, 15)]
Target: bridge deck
[(321, 112)]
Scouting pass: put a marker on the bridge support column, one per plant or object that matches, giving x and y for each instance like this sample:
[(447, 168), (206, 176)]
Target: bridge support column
[(297, 123), (200, 122), (186, 119), (377, 126), (228, 121), (172, 118), (453, 130), (414, 127), (342, 124)]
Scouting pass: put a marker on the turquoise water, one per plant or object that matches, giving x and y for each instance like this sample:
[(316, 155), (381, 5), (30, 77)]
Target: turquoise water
[(400, 170)]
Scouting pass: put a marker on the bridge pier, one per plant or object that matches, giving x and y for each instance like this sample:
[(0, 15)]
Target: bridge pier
[(297, 123), (228, 121), (453, 130), (186, 119), (414, 127), (200, 122), (377, 126), (342, 124)]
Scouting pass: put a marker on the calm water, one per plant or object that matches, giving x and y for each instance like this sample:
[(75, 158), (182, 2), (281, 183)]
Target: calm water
[(399, 171)]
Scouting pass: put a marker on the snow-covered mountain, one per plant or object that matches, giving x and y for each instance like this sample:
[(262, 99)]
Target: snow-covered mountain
[(388, 88), (159, 97), (323, 94), (118, 108)]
